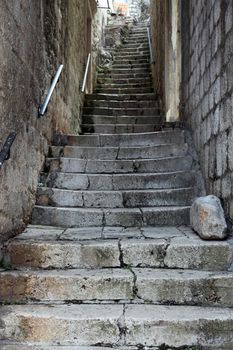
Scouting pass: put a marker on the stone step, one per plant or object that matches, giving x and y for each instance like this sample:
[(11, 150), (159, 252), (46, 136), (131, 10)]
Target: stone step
[(127, 81), (122, 85), (123, 90), (129, 75), (116, 153), (122, 97), (114, 199), (128, 181), (188, 326), (144, 64), (125, 140), (119, 128), (121, 104), (132, 56), (73, 165), (134, 46), (111, 247), (161, 286), (137, 52), (137, 115), (85, 217), (131, 70)]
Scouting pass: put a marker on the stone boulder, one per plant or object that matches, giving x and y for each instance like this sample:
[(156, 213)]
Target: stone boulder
[(207, 218)]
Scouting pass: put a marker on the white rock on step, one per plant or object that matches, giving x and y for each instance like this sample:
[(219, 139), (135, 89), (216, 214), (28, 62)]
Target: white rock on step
[(207, 218)]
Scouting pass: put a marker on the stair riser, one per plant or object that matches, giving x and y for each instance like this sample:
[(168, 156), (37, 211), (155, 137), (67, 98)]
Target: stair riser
[(122, 104), (125, 90), (114, 199), (111, 81), (116, 129), (123, 97), (138, 56), (135, 253), (131, 66), (120, 167), (124, 53), (131, 70), (124, 140), (130, 75), (58, 286), (153, 152), (82, 325), (121, 116), (124, 86), (123, 182)]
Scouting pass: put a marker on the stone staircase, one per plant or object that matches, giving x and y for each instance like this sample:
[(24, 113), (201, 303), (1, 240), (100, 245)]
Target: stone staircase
[(109, 259)]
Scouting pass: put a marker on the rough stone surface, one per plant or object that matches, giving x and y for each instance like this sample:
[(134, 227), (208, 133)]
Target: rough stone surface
[(207, 218)]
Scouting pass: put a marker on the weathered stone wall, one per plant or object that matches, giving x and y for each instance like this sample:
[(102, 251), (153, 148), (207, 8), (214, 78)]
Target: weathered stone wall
[(157, 8), (36, 36), (207, 49)]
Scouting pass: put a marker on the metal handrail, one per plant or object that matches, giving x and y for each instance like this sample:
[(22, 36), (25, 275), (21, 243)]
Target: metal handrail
[(86, 72), (5, 152), (43, 108), (149, 40)]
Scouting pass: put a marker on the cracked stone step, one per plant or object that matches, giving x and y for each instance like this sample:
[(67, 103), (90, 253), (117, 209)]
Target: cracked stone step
[(119, 128), (141, 139), (121, 153), (178, 326), (112, 324), (63, 324), (114, 199), (151, 247), (122, 104), (160, 286), (138, 115), (86, 217), (134, 168), (145, 181), (67, 285)]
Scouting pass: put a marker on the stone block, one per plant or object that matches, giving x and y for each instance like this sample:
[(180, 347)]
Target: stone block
[(207, 218)]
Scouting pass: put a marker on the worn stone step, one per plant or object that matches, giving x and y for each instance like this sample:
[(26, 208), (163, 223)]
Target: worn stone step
[(129, 75), (114, 199), (122, 97), (136, 90), (67, 285), (131, 70), (115, 153), (134, 46), (144, 64), (137, 52), (141, 80), (126, 86), (122, 181), (157, 247), (161, 165), (119, 128), (134, 56), (134, 112), (122, 104), (85, 217), (21, 346), (160, 286), (112, 324)]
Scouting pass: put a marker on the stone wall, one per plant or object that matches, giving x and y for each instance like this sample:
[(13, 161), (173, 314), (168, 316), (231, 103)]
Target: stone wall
[(207, 96), (36, 36)]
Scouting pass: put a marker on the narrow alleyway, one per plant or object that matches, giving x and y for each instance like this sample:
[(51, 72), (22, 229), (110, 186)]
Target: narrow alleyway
[(109, 258)]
